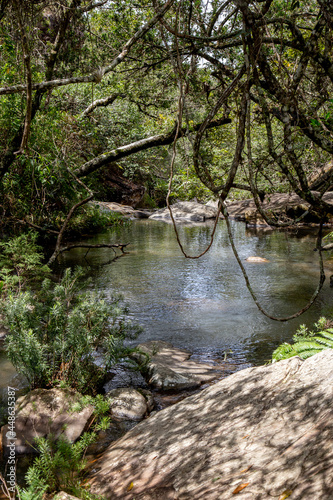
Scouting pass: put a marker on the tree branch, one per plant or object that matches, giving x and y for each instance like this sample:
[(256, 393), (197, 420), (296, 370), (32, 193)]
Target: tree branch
[(100, 102), (97, 75), (142, 145), (100, 245)]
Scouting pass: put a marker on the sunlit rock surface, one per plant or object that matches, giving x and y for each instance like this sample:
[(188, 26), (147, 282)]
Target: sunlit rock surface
[(170, 368), (187, 211), (263, 432)]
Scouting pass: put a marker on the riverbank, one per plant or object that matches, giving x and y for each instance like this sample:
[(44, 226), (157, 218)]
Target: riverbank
[(261, 432), (283, 206)]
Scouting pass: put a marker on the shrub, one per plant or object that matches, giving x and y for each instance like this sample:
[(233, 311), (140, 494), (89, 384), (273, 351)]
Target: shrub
[(58, 467), (21, 262), (54, 335)]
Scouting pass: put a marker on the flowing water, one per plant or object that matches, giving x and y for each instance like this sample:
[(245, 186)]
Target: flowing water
[(203, 304)]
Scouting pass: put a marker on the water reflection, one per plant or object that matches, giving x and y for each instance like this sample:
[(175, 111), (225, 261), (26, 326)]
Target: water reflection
[(204, 304)]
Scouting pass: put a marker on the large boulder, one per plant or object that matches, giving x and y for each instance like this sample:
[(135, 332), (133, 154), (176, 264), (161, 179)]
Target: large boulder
[(170, 369), (189, 211), (42, 412), (263, 432), (109, 206)]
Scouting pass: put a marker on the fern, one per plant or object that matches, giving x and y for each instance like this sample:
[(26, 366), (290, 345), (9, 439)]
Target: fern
[(306, 343), (321, 339)]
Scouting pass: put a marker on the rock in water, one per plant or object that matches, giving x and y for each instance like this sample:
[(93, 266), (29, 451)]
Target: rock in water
[(189, 211), (170, 368), (263, 432), (256, 259)]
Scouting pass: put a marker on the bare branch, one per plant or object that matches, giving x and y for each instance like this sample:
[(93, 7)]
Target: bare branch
[(57, 249), (100, 102), (100, 245)]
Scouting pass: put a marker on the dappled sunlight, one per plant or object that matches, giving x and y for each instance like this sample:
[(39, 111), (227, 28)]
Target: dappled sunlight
[(269, 427)]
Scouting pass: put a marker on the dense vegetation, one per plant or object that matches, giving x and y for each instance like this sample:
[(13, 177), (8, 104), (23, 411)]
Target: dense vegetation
[(242, 87)]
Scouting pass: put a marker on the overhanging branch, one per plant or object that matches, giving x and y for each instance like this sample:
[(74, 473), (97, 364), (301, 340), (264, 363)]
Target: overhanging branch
[(135, 147)]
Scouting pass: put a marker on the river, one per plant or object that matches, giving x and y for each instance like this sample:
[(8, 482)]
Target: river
[(203, 304)]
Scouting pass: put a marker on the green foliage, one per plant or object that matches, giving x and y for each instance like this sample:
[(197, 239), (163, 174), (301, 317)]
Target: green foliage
[(306, 343), (55, 334), (92, 220), (21, 262), (101, 409), (58, 468)]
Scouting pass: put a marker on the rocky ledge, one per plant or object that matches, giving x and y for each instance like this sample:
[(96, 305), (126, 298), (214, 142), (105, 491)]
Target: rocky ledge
[(187, 211), (286, 206), (263, 432), (171, 369)]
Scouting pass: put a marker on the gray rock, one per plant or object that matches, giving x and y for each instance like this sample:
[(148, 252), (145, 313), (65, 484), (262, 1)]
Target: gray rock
[(266, 431), (187, 211), (278, 204), (127, 404), (110, 206), (142, 214), (149, 398), (123, 375), (170, 368), (42, 412)]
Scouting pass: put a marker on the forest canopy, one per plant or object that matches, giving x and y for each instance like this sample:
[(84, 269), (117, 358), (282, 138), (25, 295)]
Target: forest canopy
[(231, 96)]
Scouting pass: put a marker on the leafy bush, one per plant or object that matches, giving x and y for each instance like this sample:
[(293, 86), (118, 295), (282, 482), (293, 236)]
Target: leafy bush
[(21, 262), (306, 343), (91, 219), (58, 467), (55, 334)]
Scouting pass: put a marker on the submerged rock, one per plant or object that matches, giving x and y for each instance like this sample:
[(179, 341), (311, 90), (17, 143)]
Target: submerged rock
[(170, 368), (42, 412), (263, 432), (124, 375), (256, 259)]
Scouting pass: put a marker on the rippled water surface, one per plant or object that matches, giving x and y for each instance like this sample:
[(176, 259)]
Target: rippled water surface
[(204, 304)]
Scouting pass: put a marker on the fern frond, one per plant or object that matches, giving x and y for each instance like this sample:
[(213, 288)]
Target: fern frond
[(299, 347), (327, 334), (311, 352), (284, 351), (323, 341)]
